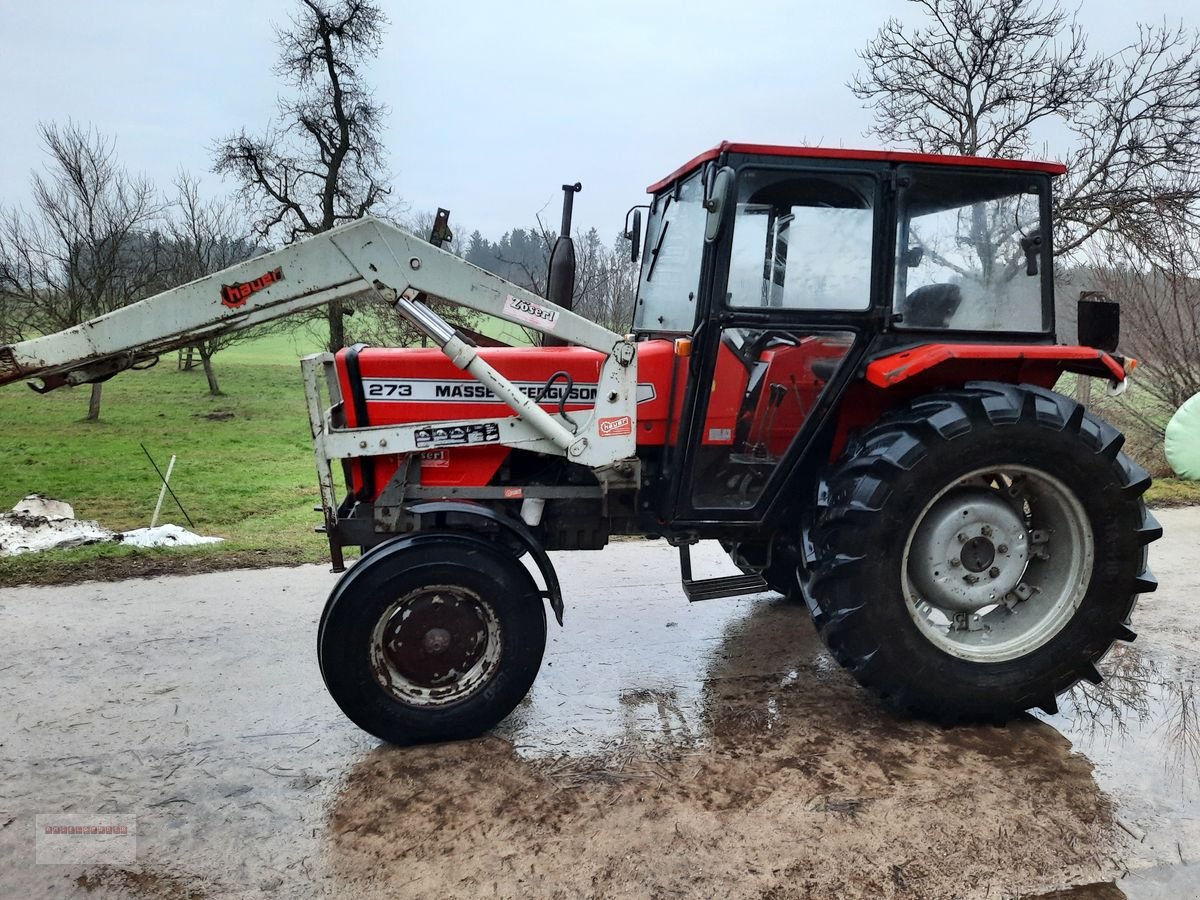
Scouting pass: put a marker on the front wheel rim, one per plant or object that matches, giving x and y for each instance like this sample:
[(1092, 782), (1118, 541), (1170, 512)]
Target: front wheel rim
[(435, 645), (1011, 576)]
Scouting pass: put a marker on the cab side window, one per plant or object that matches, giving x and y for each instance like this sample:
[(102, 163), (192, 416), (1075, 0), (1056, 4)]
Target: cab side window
[(802, 242)]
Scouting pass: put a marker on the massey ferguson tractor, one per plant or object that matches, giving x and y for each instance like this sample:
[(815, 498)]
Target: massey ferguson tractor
[(841, 366)]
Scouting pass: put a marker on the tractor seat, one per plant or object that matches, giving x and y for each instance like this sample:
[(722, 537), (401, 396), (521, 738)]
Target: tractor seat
[(824, 368), (931, 306)]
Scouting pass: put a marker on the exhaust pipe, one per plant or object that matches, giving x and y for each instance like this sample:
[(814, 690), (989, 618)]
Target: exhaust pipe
[(560, 280)]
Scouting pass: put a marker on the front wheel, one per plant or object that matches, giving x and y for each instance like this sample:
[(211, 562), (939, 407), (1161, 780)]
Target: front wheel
[(980, 551), (432, 637)]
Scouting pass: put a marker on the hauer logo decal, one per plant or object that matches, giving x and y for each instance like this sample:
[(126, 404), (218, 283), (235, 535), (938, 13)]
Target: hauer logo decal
[(235, 295), (531, 313), (614, 426)]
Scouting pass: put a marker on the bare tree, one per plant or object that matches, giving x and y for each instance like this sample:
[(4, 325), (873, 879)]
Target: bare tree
[(979, 77), (88, 247), (321, 163), (607, 282), (10, 325), (205, 236), (1158, 283)]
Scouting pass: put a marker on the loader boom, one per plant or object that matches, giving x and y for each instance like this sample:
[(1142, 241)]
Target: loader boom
[(368, 255), (352, 259)]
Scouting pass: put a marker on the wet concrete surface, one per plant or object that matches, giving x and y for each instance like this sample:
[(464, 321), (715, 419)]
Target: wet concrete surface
[(667, 750)]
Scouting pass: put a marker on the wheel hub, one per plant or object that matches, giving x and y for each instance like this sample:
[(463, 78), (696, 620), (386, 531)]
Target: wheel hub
[(970, 551), (434, 638), (978, 554)]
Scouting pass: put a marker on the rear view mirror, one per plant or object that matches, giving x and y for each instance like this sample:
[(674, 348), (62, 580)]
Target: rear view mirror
[(1099, 321), (633, 233), (913, 257), (718, 191)]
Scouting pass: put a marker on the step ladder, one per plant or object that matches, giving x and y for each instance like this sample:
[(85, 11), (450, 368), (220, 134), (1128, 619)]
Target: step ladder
[(712, 588)]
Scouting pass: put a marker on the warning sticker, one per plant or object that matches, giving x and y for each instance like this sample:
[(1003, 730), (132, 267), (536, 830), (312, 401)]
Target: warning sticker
[(455, 435), (541, 317)]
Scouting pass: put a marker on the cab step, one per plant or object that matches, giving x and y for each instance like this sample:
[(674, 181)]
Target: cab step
[(713, 588)]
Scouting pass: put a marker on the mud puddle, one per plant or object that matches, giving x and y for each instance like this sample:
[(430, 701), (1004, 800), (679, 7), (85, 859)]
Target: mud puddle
[(1141, 730)]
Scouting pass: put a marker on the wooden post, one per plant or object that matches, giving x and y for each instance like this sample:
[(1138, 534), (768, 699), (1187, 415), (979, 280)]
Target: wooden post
[(162, 492)]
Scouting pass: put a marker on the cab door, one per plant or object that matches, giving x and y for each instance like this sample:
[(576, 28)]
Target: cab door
[(793, 291)]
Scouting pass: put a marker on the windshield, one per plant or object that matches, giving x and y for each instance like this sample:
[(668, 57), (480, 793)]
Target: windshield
[(671, 265), (969, 253)]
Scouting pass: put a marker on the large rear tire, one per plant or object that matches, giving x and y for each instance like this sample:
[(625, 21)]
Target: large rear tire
[(979, 551), (432, 637)]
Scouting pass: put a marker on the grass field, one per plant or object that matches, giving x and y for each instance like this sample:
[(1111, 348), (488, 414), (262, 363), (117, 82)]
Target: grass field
[(245, 469)]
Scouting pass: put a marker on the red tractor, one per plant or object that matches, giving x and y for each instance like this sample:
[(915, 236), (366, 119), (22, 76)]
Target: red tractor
[(841, 366)]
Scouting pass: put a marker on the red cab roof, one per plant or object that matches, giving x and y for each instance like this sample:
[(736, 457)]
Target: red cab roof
[(896, 156)]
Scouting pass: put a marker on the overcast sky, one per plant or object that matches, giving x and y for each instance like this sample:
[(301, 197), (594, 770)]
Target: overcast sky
[(493, 105)]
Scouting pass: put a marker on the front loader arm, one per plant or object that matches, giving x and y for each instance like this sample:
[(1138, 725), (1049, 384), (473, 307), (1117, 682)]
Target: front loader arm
[(366, 255), (352, 259)]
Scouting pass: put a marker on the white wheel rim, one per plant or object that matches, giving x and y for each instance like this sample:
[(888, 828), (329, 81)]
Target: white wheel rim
[(1020, 598)]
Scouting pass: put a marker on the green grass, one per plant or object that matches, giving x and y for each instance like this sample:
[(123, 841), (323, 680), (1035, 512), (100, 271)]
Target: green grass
[(278, 348), (501, 330), (1173, 492), (244, 471)]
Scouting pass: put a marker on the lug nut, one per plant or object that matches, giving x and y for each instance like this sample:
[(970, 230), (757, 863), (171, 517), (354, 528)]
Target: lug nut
[(955, 563), (962, 537), (1003, 548), (970, 579), (986, 530), (994, 572)]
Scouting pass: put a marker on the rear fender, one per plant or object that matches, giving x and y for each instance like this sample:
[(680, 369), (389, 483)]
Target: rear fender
[(897, 377), (936, 365)]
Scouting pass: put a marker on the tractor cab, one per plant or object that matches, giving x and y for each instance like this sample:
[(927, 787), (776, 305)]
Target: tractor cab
[(788, 268)]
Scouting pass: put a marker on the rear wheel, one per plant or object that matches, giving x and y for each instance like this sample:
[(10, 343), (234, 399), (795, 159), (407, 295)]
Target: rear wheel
[(979, 551), (432, 637)]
